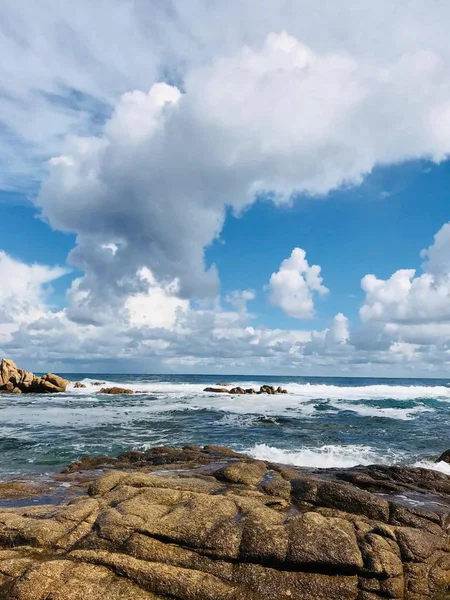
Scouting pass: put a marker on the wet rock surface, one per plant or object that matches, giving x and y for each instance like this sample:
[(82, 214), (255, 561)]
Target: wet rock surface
[(210, 524), (264, 389)]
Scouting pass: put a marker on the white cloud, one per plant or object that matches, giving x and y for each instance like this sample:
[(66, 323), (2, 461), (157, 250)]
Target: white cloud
[(158, 307), (23, 291), (278, 117), (410, 299), (239, 299), (157, 331), (144, 172), (293, 286)]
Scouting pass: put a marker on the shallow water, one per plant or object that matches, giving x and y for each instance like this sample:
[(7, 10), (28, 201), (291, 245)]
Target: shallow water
[(322, 422)]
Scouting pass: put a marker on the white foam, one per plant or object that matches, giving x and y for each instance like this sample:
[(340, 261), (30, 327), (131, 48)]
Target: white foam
[(403, 414), (441, 466), (323, 457), (302, 391), (368, 392)]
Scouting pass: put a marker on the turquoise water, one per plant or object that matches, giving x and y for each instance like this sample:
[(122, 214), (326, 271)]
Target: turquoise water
[(321, 422)]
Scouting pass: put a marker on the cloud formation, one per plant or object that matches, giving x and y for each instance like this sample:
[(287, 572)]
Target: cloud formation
[(278, 120), (23, 292), (409, 299), (150, 143), (294, 286)]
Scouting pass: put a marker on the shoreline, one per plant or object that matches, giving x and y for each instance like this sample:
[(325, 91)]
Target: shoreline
[(209, 523)]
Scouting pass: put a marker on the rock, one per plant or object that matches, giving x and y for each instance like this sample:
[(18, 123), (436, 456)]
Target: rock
[(444, 457), (210, 524), (115, 391), (245, 472), (265, 389), (15, 380), (8, 370), (223, 384), (78, 384)]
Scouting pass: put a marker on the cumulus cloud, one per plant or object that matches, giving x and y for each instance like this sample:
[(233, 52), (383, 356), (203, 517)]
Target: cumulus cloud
[(151, 142), (278, 118), (294, 285), (23, 292), (65, 70), (411, 299), (157, 331)]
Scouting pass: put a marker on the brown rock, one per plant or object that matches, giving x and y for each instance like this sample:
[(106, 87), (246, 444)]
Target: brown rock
[(17, 380), (8, 369), (236, 390), (323, 541), (115, 390), (228, 533), (78, 384), (216, 390), (247, 473)]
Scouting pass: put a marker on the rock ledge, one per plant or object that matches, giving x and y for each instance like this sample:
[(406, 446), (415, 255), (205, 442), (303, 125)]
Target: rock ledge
[(211, 524)]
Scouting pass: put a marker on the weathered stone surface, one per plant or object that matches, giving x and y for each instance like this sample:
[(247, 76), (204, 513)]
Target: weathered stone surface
[(211, 524), (216, 390), (246, 472), (14, 380), (78, 384)]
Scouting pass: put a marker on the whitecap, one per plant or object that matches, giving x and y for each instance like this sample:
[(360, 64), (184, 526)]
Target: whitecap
[(323, 457)]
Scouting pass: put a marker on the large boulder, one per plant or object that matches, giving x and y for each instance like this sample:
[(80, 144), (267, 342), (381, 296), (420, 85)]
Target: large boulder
[(15, 380)]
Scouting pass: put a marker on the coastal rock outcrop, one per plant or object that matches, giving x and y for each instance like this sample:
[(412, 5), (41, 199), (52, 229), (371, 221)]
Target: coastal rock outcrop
[(264, 389), (211, 524), (115, 391), (15, 380)]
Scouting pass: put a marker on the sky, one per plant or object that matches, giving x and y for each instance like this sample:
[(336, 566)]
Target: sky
[(194, 186)]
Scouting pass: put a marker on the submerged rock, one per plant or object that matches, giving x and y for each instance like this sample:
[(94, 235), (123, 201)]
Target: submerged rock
[(15, 380), (211, 524), (115, 390), (78, 384)]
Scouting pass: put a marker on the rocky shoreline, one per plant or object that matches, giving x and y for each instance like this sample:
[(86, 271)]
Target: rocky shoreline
[(210, 524), (18, 381)]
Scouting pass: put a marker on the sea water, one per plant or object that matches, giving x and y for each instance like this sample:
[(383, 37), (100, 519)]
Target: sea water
[(322, 422)]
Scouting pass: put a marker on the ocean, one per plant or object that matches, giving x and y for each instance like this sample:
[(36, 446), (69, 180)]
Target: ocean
[(322, 422)]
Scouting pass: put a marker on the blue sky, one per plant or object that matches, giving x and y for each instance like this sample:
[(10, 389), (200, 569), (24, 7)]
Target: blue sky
[(214, 203)]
